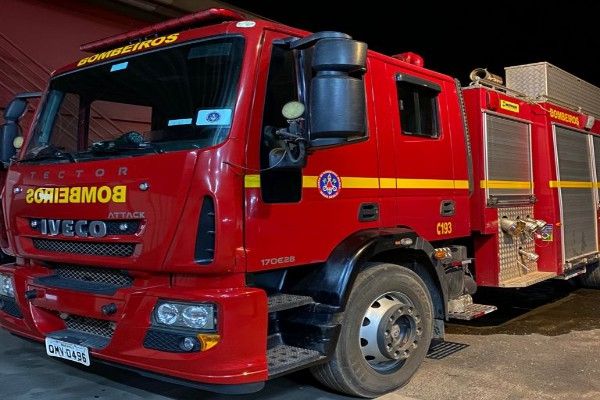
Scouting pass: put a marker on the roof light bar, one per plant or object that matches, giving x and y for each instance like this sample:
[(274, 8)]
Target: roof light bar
[(200, 18)]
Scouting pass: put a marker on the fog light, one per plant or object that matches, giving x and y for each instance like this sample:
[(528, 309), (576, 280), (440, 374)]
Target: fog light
[(167, 314), (7, 287), (188, 344)]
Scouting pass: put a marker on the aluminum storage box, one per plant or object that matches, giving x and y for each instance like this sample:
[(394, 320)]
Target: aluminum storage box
[(545, 82)]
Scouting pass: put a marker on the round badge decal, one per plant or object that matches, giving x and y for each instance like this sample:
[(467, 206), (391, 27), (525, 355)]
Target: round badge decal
[(330, 184), (213, 117)]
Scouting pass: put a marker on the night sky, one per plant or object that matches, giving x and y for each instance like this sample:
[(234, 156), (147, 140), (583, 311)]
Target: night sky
[(456, 36)]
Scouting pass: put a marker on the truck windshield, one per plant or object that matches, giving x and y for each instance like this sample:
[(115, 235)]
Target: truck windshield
[(170, 99)]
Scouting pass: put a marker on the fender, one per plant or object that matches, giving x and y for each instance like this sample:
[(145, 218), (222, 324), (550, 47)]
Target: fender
[(330, 284)]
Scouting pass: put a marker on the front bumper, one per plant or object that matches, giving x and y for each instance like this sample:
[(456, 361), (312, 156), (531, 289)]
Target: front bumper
[(238, 359)]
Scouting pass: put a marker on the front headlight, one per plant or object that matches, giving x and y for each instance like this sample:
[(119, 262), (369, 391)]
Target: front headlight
[(200, 316), (7, 287), (196, 316)]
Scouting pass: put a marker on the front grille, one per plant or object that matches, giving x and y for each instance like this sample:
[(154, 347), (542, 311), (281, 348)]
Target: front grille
[(91, 248), (91, 274), (91, 326)]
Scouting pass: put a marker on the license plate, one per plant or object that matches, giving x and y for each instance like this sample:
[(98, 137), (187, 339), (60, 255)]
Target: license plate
[(68, 351)]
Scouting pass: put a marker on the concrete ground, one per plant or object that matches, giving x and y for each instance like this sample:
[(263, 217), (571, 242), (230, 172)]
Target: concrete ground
[(543, 344)]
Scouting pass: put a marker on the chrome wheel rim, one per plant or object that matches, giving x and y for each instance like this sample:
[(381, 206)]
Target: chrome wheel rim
[(390, 332)]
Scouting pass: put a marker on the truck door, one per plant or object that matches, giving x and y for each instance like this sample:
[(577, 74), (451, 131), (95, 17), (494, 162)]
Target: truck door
[(298, 216), (431, 176)]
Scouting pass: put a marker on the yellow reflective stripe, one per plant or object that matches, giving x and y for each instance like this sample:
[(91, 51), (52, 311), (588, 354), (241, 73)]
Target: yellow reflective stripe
[(359, 183), (252, 181), (461, 184), (387, 183), (495, 184), (403, 183), (309, 181), (571, 184), (354, 182)]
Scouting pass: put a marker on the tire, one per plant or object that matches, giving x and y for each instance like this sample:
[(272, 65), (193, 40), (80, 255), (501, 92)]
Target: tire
[(353, 369), (592, 277)]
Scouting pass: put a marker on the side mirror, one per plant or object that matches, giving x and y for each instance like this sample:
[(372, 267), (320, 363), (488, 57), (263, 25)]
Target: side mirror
[(15, 109), (11, 138), (337, 94)]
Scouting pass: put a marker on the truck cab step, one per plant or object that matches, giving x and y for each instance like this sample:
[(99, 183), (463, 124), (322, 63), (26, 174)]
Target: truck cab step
[(283, 359), (280, 302), (472, 311)]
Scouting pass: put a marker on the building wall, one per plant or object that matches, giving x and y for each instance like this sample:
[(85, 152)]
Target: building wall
[(39, 36)]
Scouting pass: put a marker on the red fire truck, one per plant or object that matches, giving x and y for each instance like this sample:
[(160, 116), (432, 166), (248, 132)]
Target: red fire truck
[(282, 200)]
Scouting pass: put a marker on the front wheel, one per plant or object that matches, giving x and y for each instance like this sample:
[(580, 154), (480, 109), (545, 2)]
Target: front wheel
[(385, 335)]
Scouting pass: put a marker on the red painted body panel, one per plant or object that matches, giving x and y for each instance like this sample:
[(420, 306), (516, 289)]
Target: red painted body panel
[(235, 360), (484, 219), (480, 100), (547, 207)]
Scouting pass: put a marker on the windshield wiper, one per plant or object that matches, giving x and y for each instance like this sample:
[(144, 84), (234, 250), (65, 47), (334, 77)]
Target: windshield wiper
[(128, 141), (49, 152)]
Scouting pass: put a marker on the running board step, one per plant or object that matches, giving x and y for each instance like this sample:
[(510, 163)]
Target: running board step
[(280, 302), (472, 311), (283, 359)]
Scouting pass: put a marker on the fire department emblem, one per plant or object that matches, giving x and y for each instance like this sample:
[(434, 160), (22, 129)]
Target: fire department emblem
[(213, 116), (330, 184)]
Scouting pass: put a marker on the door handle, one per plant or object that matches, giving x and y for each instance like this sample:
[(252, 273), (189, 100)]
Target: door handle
[(447, 208)]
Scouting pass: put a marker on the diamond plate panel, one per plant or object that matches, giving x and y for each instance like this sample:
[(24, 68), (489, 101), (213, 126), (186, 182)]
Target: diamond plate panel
[(282, 302), (512, 265), (284, 358), (544, 81)]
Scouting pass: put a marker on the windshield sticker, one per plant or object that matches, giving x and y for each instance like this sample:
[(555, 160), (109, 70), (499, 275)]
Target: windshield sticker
[(130, 48), (177, 122), (119, 66), (218, 116), (246, 24)]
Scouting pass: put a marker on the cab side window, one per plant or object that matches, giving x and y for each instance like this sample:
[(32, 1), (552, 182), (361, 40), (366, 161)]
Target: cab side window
[(418, 105), (280, 185)]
